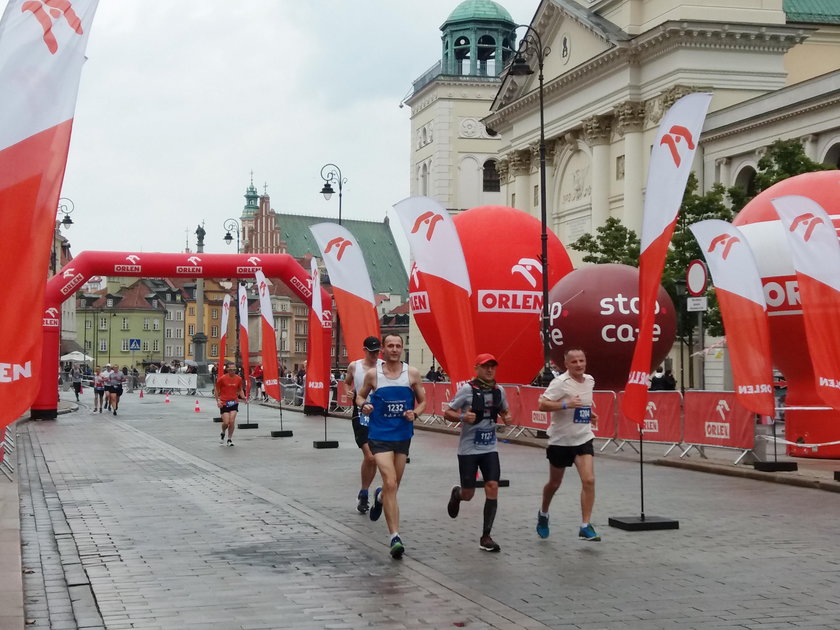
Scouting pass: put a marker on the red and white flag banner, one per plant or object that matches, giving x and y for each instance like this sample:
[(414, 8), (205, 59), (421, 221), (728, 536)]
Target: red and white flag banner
[(271, 372), (223, 340), (742, 307), (350, 281), (670, 165), (42, 49), (438, 255), (816, 257), (317, 392), (243, 338)]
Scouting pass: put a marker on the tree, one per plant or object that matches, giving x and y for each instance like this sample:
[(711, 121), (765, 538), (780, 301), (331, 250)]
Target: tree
[(614, 243)]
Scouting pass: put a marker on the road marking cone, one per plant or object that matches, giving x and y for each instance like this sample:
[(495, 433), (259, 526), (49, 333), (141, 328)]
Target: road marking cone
[(141, 393), (167, 399), (197, 408)]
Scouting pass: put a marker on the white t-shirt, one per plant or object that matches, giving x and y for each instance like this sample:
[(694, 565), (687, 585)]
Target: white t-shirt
[(572, 426)]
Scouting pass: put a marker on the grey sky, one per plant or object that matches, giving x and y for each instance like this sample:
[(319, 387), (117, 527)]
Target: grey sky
[(179, 101)]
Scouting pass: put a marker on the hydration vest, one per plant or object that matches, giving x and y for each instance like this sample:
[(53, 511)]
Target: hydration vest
[(478, 401)]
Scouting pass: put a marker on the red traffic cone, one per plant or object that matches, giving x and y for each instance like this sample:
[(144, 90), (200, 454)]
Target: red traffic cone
[(141, 393), (197, 408), (167, 399)]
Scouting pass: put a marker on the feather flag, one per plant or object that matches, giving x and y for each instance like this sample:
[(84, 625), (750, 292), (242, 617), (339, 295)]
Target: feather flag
[(439, 257), (351, 285), (42, 49), (742, 306), (271, 373), (670, 165), (816, 257), (223, 340), (317, 349), (243, 338)]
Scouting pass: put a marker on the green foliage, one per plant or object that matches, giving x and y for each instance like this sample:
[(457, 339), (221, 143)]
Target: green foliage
[(614, 243)]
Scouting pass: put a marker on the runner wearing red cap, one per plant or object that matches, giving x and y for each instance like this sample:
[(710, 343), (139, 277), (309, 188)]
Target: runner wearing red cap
[(478, 405)]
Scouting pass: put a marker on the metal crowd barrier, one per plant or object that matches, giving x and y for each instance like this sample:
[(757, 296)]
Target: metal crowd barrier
[(7, 451)]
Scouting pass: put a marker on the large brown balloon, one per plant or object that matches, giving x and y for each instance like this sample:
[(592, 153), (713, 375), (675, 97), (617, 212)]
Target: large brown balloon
[(596, 309)]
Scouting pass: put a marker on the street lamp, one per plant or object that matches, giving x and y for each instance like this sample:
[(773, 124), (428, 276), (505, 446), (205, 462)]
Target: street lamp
[(330, 173), (232, 225), (531, 45), (66, 207)]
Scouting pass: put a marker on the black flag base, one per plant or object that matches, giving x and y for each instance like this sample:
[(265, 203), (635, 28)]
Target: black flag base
[(775, 466), (217, 419), (325, 444), (247, 425), (837, 475), (642, 523), (286, 433)]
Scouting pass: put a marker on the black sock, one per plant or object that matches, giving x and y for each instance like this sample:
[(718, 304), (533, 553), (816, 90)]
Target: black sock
[(489, 515)]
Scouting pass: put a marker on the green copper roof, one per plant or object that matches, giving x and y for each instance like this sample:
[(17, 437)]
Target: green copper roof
[(383, 259), (470, 10), (817, 11)]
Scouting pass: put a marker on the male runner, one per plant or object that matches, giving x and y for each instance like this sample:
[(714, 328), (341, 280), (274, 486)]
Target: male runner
[(229, 390)]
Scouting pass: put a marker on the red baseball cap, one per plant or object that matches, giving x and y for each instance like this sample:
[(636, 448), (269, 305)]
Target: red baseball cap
[(484, 358)]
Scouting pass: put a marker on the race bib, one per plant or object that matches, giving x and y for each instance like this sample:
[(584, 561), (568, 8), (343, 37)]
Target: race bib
[(364, 420), (484, 437), (583, 415), (230, 403), (393, 408)]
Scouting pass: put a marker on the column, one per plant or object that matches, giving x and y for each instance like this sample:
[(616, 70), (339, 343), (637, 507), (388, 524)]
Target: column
[(630, 118), (597, 131), (520, 166), (723, 175)]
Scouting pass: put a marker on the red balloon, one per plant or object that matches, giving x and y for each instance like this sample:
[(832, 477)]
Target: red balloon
[(597, 309), (761, 227), (502, 249)]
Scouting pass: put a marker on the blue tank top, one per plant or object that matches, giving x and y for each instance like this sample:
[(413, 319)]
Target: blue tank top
[(390, 400)]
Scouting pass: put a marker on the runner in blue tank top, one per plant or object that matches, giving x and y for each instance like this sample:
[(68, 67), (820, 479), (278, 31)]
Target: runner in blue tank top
[(396, 399)]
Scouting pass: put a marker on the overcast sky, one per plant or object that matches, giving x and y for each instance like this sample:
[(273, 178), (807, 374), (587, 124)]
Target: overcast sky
[(179, 101)]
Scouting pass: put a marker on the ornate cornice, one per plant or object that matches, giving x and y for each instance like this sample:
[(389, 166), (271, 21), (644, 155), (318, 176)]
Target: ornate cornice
[(629, 116), (597, 130)]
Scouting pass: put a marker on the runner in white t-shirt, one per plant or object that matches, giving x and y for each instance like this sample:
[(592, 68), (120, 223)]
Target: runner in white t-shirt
[(570, 439)]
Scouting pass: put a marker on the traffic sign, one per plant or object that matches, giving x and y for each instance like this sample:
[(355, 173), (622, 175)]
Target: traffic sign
[(696, 278), (697, 304), (133, 344)]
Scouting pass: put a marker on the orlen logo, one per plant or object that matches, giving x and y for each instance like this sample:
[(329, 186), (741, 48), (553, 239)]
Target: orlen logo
[(326, 319), (255, 266), (430, 221), (809, 222), (75, 280), (719, 430), (781, 295), (829, 382), (525, 266), (45, 11), (132, 268), (419, 301), (651, 422), (315, 384), (51, 318), (724, 240), (676, 134), (539, 417), (10, 372), (305, 290), (195, 269), (494, 301), (340, 244)]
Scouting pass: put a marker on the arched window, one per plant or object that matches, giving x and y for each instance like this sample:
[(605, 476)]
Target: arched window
[(486, 56), (462, 55), (746, 180), (832, 156), (424, 179), (491, 180)]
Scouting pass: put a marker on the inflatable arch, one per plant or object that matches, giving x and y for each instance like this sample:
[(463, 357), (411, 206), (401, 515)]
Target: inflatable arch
[(154, 265)]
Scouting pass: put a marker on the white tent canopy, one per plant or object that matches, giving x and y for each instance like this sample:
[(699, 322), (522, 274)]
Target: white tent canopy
[(80, 357)]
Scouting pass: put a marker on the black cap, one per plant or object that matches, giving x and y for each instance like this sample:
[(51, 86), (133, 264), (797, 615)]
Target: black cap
[(372, 344)]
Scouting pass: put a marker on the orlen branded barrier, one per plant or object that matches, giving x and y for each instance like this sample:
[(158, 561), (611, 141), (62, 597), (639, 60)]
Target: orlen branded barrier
[(605, 406), (716, 419), (662, 419)]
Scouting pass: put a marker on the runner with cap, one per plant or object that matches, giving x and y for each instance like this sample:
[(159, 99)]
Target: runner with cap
[(353, 381), (478, 405)]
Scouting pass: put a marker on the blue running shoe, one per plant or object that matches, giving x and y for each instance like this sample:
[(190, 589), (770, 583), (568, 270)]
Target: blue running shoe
[(397, 548), (542, 525), (589, 533), (376, 510)]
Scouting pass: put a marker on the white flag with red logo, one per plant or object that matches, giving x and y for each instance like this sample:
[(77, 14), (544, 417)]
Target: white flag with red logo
[(741, 298), (317, 392), (223, 340), (243, 338), (670, 164), (351, 285), (42, 49), (271, 373), (816, 257), (438, 255)]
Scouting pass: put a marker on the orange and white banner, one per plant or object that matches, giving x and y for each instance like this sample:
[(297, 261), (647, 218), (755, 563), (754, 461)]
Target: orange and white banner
[(271, 373), (438, 255), (350, 281), (223, 340), (742, 306), (317, 392), (42, 49), (670, 165), (243, 337), (816, 257)]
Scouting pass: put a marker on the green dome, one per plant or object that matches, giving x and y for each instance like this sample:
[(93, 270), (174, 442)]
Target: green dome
[(470, 10)]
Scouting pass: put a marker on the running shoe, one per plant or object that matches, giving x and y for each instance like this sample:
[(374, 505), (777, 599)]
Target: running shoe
[(542, 525), (589, 533), (397, 548), (363, 505), (222, 438), (488, 544), (230, 442), (115, 412), (454, 505), (376, 510)]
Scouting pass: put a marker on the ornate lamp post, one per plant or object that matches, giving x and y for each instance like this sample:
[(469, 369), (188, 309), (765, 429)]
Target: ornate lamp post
[(531, 45), (330, 173), (231, 225), (65, 207)]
